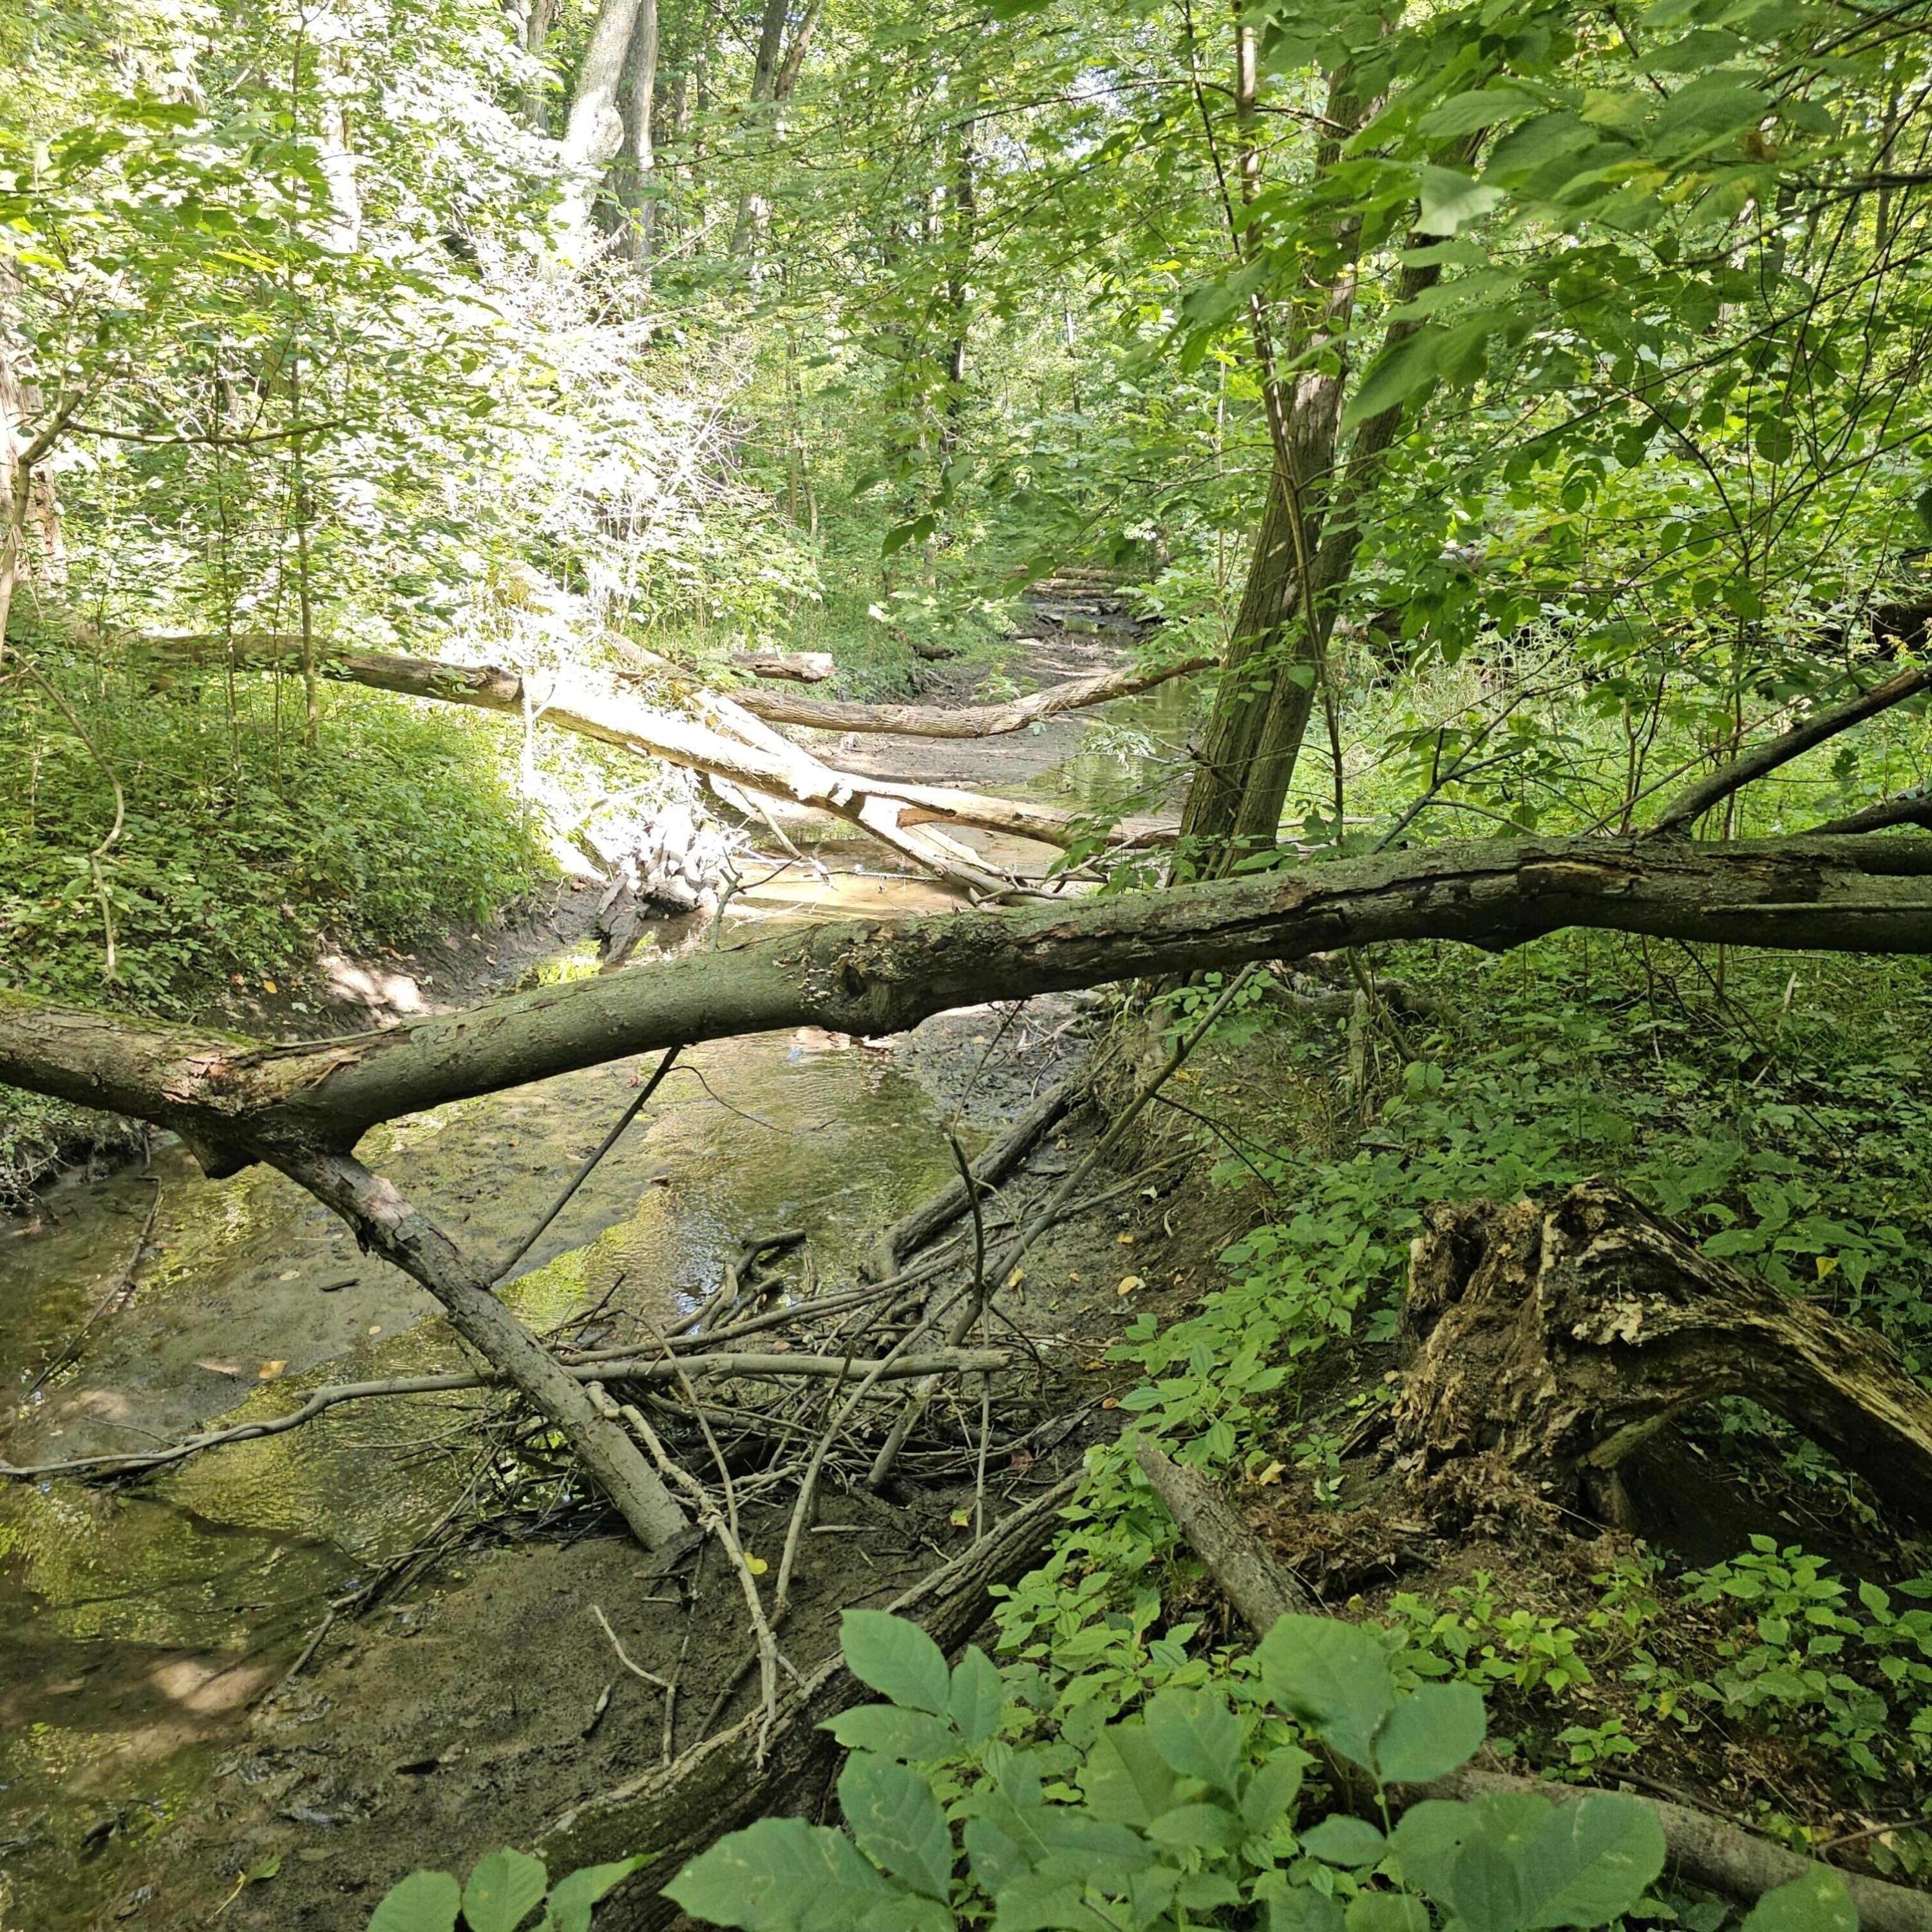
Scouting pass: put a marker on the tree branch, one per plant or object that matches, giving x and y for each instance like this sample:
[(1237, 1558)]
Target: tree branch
[(1697, 800)]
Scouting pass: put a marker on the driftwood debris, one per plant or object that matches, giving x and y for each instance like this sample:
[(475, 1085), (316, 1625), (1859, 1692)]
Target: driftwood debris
[(973, 721), (1551, 1342)]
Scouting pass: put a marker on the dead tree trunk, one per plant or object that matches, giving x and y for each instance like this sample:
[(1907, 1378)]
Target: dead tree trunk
[(1551, 1342)]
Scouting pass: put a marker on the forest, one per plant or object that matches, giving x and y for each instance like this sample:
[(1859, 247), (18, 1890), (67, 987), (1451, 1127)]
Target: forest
[(966, 967)]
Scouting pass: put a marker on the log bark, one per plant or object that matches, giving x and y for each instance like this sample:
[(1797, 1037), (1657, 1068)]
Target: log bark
[(1553, 1341), (977, 720), (790, 666), (726, 1783), (382, 1220), (234, 1100)]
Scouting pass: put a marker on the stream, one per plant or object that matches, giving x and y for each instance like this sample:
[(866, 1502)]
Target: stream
[(143, 1623)]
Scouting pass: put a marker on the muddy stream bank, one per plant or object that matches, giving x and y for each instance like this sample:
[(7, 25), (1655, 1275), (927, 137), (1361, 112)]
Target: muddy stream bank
[(142, 1772)]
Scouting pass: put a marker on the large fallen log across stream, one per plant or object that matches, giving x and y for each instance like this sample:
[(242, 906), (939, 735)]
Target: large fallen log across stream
[(303, 1107)]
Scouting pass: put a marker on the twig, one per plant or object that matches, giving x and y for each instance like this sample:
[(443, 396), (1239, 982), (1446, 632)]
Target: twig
[(113, 1298), (1044, 1218), (684, 1651), (624, 1368), (583, 1173), (623, 1657)]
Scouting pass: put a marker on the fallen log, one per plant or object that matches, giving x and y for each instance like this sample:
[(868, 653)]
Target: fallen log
[(724, 1783), (758, 760), (1550, 1343), (1706, 1850), (977, 720), (795, 667), (234, 1101)]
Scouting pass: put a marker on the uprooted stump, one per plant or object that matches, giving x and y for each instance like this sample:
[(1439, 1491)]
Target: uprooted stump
[(1549, 1342)]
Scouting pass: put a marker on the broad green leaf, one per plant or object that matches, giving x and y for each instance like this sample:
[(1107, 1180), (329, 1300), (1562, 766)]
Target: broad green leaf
[(1450, 198), (1197, 1735), (903, 1913), (892, 1731), (425, 1901), (1302, 1909), (1818, 1902), (1593, 1861), (977, 1698), (504, 1889), (1396, 373), (1127, 1782), (1197, 1827), (1426, 1840), (571, 1898), (777, 1875), (896, 1658), (996, 1860), (898, 1822), (1334, 1674), (1036, 1904), (1386, 1911), (1272, 1789), (1343, 1841), (1487, 1885), (1432, 1730), (1464, 113)]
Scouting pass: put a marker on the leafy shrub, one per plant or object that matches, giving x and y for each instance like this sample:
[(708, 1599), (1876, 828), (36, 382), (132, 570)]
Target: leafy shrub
[(1183, 1813), (504, 1889)]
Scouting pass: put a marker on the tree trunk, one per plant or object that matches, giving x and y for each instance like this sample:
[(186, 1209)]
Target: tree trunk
[(382, 1220), (637, 189), (595, 131), (1550, 1342)]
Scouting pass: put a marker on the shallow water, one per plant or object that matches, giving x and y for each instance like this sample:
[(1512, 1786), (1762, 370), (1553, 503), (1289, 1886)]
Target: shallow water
[(140, 1628)]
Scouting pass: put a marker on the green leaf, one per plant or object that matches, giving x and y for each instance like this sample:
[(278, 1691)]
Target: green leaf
[(1396, 373), (1302, 1909), (425, 1901), (1126, 1780), (1527, 1864), (1197, 1827), (1386, 1911), (1431, 1731), (898, 1822), (894, 1657), (1335, 1674), (1450, 198), (1818, 1902), (1197, 1735), (504, 1889), (1272, 1789), (776, 1876), (1464, 113), (1343, 1841), (892, 1731), (978, 1697), (1037, 1904), (996, 1860), (571, 1898)]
